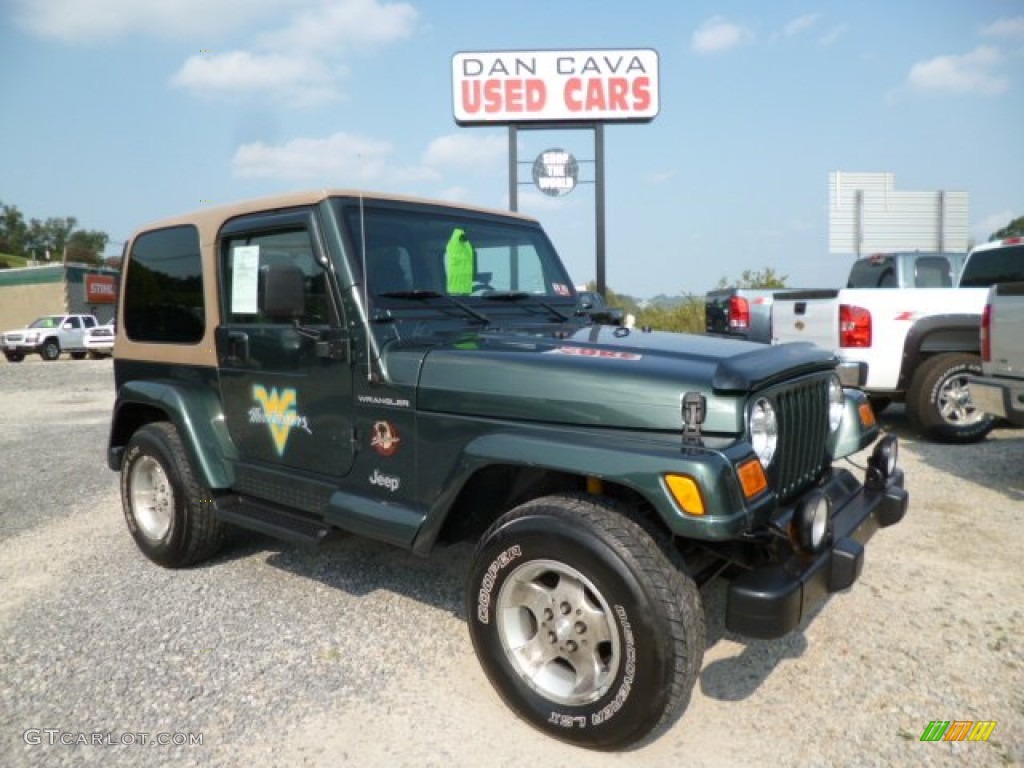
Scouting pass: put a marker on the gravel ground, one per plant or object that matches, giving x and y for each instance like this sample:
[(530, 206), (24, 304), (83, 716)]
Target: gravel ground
[(357, 653)]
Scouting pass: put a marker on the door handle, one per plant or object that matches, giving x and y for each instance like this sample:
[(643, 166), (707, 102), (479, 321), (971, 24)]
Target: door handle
[(238, 345)]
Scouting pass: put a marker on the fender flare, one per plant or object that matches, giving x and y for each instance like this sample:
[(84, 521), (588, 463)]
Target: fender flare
[(194, 411), (640, 470), (935, 334)]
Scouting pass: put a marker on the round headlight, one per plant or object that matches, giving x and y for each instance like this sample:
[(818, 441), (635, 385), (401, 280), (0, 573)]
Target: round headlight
[(764, 430), (836, 403)]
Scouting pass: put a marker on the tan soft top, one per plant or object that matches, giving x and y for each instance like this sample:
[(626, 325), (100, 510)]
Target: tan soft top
[(209, 221)]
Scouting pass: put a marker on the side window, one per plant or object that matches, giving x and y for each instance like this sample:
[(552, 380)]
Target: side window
[(89, 322), (247, 258), (74, 322), (163, 295)]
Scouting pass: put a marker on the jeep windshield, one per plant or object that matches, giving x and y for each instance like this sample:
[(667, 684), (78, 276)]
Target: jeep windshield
[(412, 254)]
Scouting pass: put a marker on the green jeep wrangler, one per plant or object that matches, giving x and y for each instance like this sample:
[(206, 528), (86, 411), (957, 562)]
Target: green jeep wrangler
[(419, 373)]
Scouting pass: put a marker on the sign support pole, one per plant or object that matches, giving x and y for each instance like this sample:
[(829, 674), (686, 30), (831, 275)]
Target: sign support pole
[(599, 244), (513, 167)]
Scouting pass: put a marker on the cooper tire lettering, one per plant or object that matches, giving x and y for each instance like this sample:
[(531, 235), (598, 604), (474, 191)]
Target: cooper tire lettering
[(487, 584)]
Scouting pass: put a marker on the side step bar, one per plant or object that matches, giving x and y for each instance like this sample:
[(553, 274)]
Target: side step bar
[(272, 520)]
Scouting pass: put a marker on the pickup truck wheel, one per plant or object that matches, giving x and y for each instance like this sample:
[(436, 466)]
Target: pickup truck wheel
[(50, 350), (939, 403), (169, 514), (585, 622), (78, 355), (879, 403), (14, 357)]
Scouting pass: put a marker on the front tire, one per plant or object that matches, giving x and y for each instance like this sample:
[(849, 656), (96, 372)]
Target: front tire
[(169, 514), (939, 404), (14, 357), (585, 623), (50, 350)]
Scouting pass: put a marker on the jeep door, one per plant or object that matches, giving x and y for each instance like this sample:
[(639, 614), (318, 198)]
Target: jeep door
[(285, 377)]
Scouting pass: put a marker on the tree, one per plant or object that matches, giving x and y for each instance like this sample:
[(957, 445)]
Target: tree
[(13, 230), (86, 246), (766, 278), (1014, 229)]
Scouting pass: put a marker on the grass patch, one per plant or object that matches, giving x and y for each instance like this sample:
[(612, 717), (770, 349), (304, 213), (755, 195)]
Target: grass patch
[(13, 261)]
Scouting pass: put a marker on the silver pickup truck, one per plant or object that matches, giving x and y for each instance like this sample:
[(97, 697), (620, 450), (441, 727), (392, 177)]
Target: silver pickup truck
[(1000, 389)]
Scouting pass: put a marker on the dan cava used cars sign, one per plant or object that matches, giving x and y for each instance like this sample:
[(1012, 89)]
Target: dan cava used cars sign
[(555, 86)]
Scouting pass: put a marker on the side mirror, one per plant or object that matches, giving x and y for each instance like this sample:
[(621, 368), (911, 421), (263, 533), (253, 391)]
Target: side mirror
[(283, 295), (67, 326)]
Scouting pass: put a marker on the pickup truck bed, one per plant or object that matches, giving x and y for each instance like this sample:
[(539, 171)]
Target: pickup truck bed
[(913, 345)]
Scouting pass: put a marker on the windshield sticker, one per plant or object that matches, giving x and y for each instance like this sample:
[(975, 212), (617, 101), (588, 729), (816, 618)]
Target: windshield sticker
[(459, 263), (385, 438), (561, 289), (606, 354), (391, 482), (278, 411), (245, 270)]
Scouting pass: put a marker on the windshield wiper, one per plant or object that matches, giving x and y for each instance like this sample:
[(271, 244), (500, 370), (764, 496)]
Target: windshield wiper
[(517, 295), (422, 295)]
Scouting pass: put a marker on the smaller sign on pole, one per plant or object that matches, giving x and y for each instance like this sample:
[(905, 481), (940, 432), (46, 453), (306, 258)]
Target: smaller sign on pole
[(556, 172)]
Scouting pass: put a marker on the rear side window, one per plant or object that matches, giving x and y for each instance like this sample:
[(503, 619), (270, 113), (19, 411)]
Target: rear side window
[(873, 273), (163, 295), (1000, 265)]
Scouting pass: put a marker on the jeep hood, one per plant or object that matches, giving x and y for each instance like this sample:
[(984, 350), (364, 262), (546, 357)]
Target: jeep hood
[(595, 376)]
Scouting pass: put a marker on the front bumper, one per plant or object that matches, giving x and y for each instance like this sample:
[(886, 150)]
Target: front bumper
[(769, 601), (19, 346), (1000, 397)]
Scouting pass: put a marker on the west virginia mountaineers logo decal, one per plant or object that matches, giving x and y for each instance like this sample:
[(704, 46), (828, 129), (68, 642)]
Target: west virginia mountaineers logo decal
[(278, 411)]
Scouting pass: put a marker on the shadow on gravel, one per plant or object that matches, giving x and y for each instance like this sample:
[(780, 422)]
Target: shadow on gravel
[(361, 566), (993, 463), (738, 677)]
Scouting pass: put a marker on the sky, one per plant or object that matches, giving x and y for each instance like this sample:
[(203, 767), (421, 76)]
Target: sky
[(121, 112)]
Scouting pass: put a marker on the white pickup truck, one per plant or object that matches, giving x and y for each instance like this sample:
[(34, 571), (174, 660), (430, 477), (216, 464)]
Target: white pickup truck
[(913, 345), (48, 336), (1000, 391)]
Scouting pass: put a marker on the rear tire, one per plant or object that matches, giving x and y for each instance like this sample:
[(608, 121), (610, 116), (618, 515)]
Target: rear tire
[(586, 623), (78, 355), (939, 404), (169, 514)]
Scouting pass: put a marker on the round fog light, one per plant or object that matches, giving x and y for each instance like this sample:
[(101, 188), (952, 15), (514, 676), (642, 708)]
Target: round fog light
[(811, 522)]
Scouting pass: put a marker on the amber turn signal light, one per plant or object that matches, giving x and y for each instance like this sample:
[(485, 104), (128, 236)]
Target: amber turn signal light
[(752, 479)]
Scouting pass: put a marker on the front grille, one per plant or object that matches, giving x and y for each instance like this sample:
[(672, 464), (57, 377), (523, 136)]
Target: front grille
[(802, 409)]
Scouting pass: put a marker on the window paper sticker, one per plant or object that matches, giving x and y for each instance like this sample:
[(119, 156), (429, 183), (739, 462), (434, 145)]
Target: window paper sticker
[(245, 272)]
